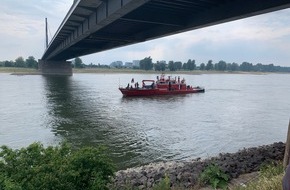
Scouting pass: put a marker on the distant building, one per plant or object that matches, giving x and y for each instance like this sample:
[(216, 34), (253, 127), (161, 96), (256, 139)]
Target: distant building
[(117, 64), (129, 64), (136, 63)]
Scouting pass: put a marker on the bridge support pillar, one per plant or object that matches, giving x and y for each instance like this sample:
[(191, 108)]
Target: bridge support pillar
[(55, 67)]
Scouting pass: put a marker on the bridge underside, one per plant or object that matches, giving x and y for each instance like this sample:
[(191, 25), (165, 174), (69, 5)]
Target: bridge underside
[(96, 25)]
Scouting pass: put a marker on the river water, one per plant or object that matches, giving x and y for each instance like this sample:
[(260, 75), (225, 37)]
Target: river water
[(236, 111)]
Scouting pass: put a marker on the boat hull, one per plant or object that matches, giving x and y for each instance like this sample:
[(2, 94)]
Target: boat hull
[(158, 91)]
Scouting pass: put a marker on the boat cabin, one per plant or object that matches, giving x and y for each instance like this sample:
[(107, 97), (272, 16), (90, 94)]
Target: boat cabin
[(148, 84), (170, 83)]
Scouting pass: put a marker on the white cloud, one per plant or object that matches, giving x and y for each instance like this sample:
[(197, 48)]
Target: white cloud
[(22, 26)]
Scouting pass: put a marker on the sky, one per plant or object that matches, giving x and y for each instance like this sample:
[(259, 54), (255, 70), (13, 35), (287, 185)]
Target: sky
[(260, 39)]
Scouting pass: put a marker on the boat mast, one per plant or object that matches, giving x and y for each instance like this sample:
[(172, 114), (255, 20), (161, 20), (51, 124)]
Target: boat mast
[(46, 33)]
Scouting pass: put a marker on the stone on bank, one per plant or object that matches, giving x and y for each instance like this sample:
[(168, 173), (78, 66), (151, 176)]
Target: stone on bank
[(186, 173)]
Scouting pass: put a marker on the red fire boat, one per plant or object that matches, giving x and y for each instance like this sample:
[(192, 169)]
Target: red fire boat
[(161, 86)]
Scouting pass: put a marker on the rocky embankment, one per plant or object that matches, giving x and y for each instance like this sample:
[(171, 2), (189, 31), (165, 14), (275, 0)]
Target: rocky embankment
[(186, 174)]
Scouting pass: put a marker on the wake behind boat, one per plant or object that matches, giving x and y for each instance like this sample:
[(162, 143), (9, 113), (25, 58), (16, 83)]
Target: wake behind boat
[(161, 86)]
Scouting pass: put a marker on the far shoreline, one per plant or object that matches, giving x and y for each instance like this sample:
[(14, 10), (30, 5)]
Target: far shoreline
[(29, 71)]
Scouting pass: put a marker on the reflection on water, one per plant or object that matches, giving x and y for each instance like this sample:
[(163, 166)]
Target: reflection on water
[(59, 102), (83, 121), (235, 111)]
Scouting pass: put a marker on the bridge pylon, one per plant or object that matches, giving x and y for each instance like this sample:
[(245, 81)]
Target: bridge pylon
[(47, 67)]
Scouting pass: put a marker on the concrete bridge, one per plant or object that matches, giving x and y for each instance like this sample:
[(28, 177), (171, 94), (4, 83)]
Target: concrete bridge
[(93, 26)]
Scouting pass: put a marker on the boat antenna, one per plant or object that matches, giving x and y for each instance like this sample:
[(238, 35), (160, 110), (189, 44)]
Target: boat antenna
[(46, 33)]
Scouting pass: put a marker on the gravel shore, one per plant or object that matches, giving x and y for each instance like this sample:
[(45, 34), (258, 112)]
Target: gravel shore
[(186, 174)]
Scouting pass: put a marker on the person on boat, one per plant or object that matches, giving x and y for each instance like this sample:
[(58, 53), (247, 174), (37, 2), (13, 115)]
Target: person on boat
[(162, 78), (152, 85), (127, 86), (143, 84), (132, 81), (137, 85)]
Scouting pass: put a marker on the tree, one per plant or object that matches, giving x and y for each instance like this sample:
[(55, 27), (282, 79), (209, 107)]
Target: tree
[(171, 66), (159, 66), (221, 66), (184, 66), (232, 67), (191, 65), (270, 68), (178, 65), (31, 62), (78, 63), (36, 167), (202, 66), (259, 67), (9, 64), (245, 66), (209, 65), (19, 62), (146, 63), (162, 66), (235, 67), (215, 66)]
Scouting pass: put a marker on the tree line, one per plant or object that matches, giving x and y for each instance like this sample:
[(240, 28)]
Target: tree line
[(147, 64), (30, 62), (190, 65)]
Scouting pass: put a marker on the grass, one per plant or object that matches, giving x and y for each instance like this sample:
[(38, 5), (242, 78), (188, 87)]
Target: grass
[(264, 183), (270, 178)]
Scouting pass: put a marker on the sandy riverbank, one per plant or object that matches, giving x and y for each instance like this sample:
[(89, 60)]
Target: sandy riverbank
[(19, 71)]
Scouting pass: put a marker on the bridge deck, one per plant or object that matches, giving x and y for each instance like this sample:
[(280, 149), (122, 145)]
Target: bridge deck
[(96, 25)]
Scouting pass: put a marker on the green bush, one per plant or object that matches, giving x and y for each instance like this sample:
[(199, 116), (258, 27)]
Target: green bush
[(164, 184), (37, 167), (214, 176)]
